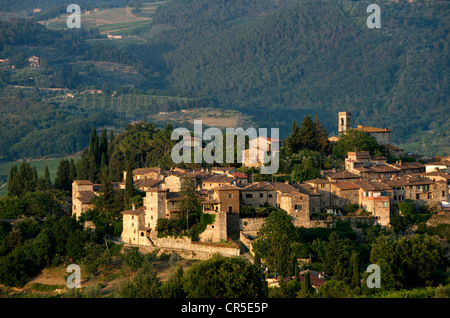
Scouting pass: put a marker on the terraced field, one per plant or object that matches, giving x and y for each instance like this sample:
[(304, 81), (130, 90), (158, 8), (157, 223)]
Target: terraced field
[(116, 21)]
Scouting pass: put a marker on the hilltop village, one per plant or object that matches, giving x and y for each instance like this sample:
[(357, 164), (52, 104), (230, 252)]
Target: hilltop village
[(367, 190)]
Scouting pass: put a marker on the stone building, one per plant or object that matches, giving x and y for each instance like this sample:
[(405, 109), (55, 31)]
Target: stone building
[(82, 193), (217, 181), (259, 195)]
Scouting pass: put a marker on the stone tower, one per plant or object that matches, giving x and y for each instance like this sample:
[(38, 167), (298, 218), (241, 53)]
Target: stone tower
[(155, 204), (344, 122)]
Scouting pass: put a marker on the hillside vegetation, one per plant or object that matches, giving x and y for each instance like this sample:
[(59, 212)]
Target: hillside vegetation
[(272, 60)]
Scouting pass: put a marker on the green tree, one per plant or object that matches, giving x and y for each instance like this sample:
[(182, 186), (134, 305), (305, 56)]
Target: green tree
[(335, 289), (224, 277), (173, 287), (355, 140), (145, 284), (129, 186), (62, 180), (336, 258), (323, 144), (274, 241)]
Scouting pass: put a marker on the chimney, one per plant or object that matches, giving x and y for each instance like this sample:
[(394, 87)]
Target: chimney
[(133, 207)]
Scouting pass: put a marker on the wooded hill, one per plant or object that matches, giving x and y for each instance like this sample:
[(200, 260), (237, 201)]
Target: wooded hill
[(318, 57), (274, 60)]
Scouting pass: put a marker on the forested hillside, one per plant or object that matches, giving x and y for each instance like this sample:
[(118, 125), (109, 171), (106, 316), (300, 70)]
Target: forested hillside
[(320, 57), (273, 60)]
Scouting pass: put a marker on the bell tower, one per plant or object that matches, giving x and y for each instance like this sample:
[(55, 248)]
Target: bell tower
[(344, 122)]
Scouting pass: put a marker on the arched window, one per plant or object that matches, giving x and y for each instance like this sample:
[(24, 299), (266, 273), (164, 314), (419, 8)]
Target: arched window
[(342, 121)]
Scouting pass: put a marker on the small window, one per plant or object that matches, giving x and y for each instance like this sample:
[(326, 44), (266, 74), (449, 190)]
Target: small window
[(230, 195), (385, 204), (142, 233), (261, 195), (270, 195), (248, 195), (417, 196)]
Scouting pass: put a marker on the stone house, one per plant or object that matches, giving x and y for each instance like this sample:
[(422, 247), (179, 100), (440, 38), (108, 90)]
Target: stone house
[(224, 206), (259, 194), (217, 181), (82, 194)]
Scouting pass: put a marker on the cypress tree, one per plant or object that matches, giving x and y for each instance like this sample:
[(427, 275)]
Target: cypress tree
[(62, 181), (72, 171), (47, 179), (323, 144), (354, 260), (94, 146), (129, 186), (25, 179), (103, 146), (35, 178), (13, 186), (307, 134)]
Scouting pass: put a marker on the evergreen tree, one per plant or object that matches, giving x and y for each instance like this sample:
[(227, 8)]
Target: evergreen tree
[(35, 177), (307, 134), (47, 179), (72, 171), (87, 169), (306, 289), (129, 186), (62, 180), (323, 144), (335, 262), (13, 182), (94, 148), (103, 146), (25, 179), (354, 261)]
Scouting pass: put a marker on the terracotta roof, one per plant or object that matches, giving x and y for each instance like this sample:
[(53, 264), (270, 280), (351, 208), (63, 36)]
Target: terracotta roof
[(283, 187), (148, 183), (226, 187), (218, 179), (439, 163), (384, 169), (407, 165), (137, 211), (239, 175), (83, 182), (346, 185), (318, 181), (372, 185), (305, 189), (267, 186), (371, 129), (343, 174)]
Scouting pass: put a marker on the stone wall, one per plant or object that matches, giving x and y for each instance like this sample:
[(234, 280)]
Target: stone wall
[(251, 225), (185, 243)]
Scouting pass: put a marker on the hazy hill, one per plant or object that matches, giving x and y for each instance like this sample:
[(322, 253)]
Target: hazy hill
[(274, 60), (320, 57)]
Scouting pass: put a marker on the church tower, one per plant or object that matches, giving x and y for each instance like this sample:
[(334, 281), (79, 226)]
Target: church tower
[(344, 122)]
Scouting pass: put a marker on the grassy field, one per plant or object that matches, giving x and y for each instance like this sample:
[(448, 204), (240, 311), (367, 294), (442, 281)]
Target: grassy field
[(117, 21), (5, 167), (209, 116)]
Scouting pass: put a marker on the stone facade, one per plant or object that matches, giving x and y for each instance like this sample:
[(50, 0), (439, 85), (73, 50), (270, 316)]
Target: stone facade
[(82, 193), (259, 194)]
